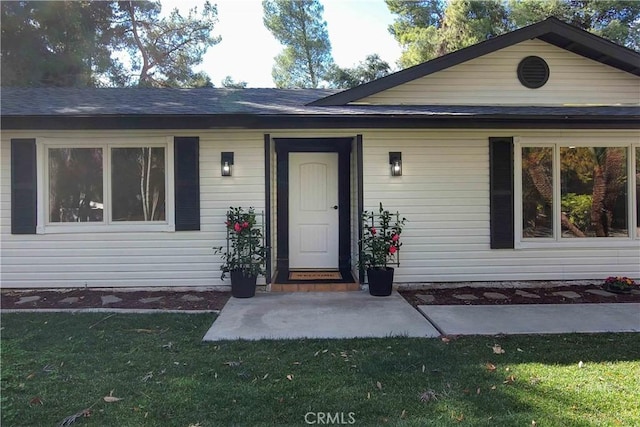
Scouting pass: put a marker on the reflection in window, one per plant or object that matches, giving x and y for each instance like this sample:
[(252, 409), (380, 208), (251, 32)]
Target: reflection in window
[(138, 184), (75, 185), (537, 192), (593, 191)]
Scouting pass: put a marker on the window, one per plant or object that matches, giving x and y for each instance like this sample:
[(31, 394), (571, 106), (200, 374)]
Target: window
[(593, 185), (537, 192), (576, 192), (75, 185), (138, 184), (106, 186)]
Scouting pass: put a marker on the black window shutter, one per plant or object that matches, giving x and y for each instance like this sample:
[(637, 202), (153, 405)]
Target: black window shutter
[(187, 183), (501, 192), (23, 186)]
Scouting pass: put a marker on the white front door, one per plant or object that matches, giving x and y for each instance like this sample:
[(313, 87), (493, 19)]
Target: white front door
[(313, 210)]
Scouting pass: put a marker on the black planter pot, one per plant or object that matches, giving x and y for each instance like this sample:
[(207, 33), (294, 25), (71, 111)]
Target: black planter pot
[(242, 286), (380, 281)]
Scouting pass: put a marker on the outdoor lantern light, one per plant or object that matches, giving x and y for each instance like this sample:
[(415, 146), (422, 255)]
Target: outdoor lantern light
[(395, 160), (226, 162)]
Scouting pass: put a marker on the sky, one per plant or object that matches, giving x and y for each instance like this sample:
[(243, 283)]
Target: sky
[(356, 28)]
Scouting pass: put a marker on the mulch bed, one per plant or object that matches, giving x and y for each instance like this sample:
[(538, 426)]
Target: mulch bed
[(215, 300), (169, 300), (546, 296)]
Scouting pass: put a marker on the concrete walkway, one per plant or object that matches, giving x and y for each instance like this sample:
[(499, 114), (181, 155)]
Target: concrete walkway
[(359, 315), (319, 315), (533, 318)]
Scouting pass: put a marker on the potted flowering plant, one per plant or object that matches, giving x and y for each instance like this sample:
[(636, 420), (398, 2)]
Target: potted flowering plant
[(380, 244), (244, 258), (618, 285)]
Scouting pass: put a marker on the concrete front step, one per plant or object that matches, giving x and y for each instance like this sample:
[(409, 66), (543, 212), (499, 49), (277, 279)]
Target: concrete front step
[(319, 315), (314, 287)]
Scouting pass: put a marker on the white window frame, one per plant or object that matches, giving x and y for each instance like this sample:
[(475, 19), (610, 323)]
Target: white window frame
[(44, 226), (557, 241)]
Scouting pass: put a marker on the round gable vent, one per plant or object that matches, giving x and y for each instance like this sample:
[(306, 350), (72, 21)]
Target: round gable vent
[(533, 72)]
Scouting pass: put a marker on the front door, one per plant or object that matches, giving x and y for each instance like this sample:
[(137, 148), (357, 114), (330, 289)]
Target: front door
[(313, 210)]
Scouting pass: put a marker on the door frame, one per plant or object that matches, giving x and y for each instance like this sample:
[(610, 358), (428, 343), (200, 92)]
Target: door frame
[(342, 146)]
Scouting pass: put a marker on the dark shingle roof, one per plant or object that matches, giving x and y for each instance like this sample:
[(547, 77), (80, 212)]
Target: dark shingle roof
[(147, 101), (145, 108), (75, 102)]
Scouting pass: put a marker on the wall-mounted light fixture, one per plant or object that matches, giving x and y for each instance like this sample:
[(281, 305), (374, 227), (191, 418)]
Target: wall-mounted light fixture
[(395, 160), (226, 163)]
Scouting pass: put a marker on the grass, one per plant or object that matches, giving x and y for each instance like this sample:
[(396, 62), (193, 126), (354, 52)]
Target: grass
[(56, 365)]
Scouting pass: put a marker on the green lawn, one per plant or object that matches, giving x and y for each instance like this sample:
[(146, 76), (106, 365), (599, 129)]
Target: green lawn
[(56, 365)]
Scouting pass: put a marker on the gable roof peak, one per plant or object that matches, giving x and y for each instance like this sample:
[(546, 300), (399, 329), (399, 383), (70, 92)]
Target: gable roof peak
[(550, 30)]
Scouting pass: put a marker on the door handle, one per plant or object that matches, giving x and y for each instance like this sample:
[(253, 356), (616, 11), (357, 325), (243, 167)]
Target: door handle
[(335, 207)]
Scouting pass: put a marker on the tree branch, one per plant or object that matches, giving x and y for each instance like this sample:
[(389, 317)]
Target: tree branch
[(145, 57)]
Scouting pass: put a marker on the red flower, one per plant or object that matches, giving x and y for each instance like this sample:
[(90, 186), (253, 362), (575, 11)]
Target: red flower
[(392, 250), (395, 237), (372, 230), (237, 227), (245, 224)]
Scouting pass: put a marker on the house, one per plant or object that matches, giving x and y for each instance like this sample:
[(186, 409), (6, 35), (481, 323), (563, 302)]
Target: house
[(517, 159)]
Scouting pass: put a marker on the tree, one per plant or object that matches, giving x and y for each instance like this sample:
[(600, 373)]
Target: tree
[(98, 43), (298, 25), (163, 51), (467, 23), (431, 28), (228, 82), (372, 68), (615, 20), (416, 28), (61, 43), (447, 27)]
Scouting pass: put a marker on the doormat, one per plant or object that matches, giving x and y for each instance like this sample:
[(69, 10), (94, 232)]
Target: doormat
[(315, 275)]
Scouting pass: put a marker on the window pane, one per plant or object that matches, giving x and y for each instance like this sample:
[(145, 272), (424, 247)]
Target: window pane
[(537, 192), (594, 191), (138, 184), (75, 185)]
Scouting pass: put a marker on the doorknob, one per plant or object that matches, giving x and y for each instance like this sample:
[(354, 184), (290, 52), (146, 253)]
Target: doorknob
[(335, 207)]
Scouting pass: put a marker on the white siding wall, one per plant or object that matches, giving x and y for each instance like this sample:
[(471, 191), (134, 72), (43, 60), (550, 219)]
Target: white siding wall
[(444, 194), (491, 80), (182, 258)]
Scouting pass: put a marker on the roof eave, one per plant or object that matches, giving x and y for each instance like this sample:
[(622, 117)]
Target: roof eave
[(310, 121)]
